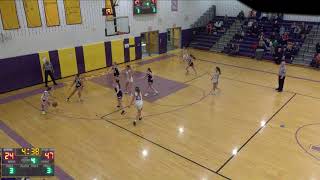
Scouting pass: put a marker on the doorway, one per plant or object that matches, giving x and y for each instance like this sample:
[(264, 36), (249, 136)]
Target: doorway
[(174, 38), (150, 43)]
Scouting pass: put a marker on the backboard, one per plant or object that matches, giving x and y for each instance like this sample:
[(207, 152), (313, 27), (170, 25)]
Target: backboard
[(117, 25)]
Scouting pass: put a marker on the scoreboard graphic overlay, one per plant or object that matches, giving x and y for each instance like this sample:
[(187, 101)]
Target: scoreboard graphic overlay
[(26, 162), (144, 7)]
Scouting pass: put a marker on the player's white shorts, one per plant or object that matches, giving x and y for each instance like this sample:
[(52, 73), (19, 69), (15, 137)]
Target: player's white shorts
[(139, 105), (130, 79)]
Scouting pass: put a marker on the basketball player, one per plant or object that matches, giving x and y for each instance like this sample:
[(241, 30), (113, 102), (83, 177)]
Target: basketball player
[(184, 54), (215, 79), (189, 60), (129, 80), (138, 102), (149, 75), (45, 102), (119, 96), (116, 72), (78, 87)]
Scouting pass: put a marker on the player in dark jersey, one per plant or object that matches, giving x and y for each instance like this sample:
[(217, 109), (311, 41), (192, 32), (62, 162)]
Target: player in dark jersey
[(116, 72), (189, 60), (138, 102), (119, 96), (149, 76), (78, 87)]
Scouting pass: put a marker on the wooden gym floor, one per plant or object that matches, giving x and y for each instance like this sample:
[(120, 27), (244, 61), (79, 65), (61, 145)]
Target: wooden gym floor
[(187, 134)]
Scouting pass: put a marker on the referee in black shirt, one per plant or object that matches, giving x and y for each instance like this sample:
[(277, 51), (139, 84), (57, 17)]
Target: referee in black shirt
[(48, 71)]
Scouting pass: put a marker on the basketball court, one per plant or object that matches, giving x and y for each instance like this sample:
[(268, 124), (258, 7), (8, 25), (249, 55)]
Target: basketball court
[(246, 131)]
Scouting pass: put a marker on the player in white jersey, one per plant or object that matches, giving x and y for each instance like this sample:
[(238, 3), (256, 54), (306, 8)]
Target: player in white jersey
[(215, 79), (129, 80), (138, 102), (45, 100), (184, 54)]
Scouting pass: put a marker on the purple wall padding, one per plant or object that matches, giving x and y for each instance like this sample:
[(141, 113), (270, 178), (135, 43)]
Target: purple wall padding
[(54, 59), (80, 59), (138, 49), (19, 72), (108, 52), (186, 37), (126, 50), (162, 43)]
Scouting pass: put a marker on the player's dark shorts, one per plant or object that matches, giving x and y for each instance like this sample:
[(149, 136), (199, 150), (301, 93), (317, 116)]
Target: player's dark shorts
[(119, 95), (191, 64)]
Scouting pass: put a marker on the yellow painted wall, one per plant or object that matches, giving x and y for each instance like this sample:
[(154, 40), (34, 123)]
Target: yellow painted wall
[(9, 15), (32, 12), (68, 62), (51, 12), (117, 49), (132, 49), (94, 56)]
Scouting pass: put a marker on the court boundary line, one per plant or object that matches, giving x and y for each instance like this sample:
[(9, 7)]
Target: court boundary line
[(257, 70), (167, 149), (252, 136)]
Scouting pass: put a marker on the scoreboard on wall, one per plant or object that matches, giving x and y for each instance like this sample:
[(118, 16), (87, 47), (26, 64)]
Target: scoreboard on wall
[(26, 162), (144, 6)]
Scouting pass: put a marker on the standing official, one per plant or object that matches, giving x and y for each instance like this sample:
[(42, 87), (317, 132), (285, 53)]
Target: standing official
[(48, 71), (282, 76)]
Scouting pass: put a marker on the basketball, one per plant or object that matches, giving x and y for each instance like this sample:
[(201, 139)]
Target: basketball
[(54, 104)]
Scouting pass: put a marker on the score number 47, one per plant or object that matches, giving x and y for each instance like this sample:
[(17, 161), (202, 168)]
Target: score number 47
[(49, 155)]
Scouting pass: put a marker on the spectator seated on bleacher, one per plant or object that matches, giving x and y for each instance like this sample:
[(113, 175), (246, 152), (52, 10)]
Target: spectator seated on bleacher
[(278, 54), (260, 49), (318, 47), (237, 36), (264, 17), (258, 15), (235, 49), (252, 14), (273, 36), (225, 19), (268, 45), (285, 38), (315, 61), (275, 26), (274, 45), (209, 27), (232, 49), (254, 30), (261, 36), (288, 54), (218, 24), (282, 30), (292, 27), (241, 16), (296, 32)]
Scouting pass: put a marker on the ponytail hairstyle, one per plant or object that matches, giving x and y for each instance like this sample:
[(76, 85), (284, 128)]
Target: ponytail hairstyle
[(218, 69), (149, 70), (137, 89)]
